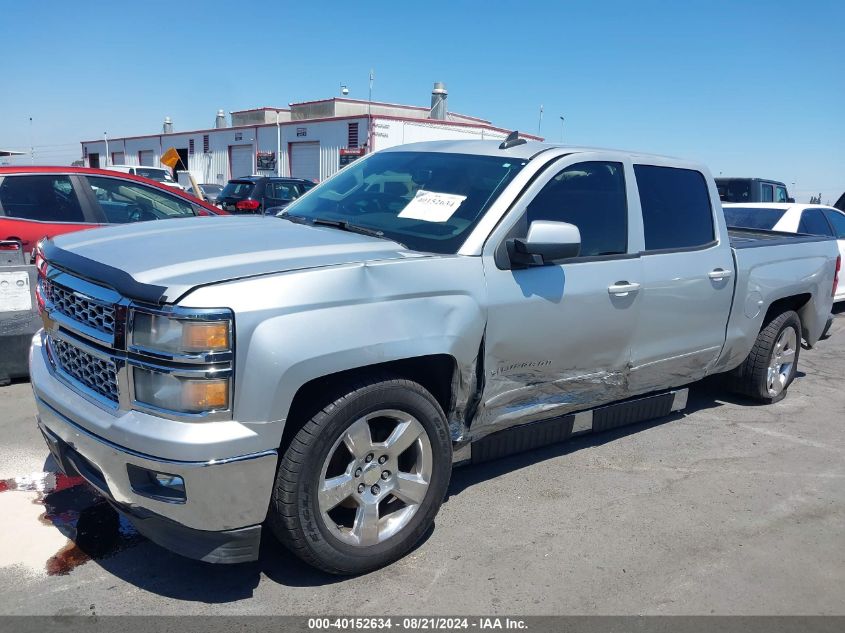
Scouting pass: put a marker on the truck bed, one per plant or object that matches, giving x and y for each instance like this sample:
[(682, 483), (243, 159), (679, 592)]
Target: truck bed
[(752, 238)]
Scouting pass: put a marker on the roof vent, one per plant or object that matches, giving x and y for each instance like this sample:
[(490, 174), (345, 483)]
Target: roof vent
[(167, 127), (220, 121), (438, 101)]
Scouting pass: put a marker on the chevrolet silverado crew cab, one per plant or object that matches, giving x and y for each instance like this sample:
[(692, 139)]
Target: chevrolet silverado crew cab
[(431, 304)]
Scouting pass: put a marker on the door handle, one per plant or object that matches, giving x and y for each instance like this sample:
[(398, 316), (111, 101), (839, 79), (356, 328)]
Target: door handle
[(623, 288), (719, 273)]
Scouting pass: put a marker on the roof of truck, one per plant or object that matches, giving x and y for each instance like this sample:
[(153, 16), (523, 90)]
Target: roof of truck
[(526, 150)]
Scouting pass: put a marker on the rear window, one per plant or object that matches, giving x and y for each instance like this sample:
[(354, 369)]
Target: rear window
[(676, 207), (737, 190), (753, 217), (237, 189)]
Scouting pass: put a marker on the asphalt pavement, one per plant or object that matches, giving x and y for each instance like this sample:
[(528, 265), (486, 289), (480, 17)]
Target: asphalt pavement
[(728, 508)]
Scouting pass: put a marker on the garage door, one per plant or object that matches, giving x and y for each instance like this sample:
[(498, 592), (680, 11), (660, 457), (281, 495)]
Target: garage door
[(240, 161), (117, 158), (147, 158), (305, 161)]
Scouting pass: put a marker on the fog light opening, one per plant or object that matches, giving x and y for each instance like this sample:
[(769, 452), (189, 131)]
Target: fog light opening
[(155, 485)]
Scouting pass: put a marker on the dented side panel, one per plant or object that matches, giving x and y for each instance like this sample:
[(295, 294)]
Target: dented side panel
[(556, 341)]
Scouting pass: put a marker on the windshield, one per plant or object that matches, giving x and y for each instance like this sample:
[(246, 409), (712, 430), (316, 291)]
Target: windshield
[(153, 173), (237, 189), (753, 217), (428, 201)]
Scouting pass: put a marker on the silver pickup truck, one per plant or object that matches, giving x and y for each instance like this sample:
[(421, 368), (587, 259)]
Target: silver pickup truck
[(431, 304)]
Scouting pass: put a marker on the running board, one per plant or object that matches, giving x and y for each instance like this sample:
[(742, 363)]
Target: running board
[(533, 435)]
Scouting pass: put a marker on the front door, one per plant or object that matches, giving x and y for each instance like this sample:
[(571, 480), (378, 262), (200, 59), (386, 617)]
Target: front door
[(558, 337), (688, 280)]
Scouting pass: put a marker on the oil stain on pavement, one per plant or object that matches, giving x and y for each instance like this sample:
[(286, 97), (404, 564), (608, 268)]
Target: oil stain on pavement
[(58, 523)]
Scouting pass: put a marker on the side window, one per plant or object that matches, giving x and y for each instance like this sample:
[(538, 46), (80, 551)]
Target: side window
[(813, 223), (676, 207), (837, 219), (591, 196), (282, 191), (781, 194), (767, 193), (125, 201), (43, 198)]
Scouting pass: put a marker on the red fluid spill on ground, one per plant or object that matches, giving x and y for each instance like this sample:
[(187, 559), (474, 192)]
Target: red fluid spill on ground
[(94, 529)]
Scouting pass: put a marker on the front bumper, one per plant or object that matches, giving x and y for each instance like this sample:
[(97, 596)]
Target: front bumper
[(225, 500)]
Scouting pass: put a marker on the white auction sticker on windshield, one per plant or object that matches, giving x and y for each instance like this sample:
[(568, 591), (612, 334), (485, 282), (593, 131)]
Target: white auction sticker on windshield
[(14, 292), (431, 206)]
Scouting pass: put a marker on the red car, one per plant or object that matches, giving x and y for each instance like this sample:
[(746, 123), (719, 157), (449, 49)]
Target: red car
[(38, 202)]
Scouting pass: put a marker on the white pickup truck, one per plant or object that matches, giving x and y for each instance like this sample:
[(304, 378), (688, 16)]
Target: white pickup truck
[(430, 304)]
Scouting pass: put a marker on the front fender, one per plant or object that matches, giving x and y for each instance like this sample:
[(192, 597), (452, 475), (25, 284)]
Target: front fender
[(295, 327)]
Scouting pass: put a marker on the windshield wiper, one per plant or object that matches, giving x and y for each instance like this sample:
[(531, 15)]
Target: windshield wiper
[(354, 228)]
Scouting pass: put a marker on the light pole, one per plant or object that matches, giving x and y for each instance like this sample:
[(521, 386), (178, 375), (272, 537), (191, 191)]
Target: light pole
[(31, 147), (540, 122), (106, 138), (561, 129), (278, 146)]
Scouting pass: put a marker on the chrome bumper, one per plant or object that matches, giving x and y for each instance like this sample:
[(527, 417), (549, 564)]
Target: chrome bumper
[(220, 494)]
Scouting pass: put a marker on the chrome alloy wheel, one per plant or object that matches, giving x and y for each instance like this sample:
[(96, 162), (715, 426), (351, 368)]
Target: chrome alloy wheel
[(375, 477), (781, 362)]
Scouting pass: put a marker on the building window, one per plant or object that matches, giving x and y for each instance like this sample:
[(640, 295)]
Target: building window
[(205, 143), (352, 140), (190, 147)]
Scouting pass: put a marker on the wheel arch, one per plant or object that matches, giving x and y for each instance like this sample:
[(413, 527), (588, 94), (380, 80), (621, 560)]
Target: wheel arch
[(437, 373)]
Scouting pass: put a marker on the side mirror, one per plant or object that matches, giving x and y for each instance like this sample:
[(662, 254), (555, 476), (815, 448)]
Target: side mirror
[(790, 199), (547, 243)]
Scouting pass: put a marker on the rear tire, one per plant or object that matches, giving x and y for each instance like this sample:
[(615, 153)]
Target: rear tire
[(770, 367), (360, 483)]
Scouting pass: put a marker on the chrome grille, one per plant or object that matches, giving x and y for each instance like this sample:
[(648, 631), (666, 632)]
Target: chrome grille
[(80, 308), (97, 374)]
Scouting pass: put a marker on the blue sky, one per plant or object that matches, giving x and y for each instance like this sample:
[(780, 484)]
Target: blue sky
[(749, 88)]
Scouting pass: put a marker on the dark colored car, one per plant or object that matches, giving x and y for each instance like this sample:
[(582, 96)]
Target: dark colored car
[(38, 202), (752, 190), (256, 194)]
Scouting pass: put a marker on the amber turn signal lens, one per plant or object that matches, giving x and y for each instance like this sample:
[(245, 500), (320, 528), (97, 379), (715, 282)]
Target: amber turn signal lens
[(205, 395), (205, 337)]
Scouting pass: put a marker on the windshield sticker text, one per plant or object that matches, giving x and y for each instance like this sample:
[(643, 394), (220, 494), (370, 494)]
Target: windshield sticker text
[(431, 206)]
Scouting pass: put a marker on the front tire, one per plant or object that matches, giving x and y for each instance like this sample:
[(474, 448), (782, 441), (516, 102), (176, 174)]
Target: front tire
[(361, 481), (772, 363)]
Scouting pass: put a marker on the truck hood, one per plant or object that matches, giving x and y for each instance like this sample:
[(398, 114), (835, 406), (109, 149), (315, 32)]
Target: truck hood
[(160, 261)]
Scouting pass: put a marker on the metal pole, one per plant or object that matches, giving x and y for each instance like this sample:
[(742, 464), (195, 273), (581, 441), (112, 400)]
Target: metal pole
[(561, 129), (106, 137), (31, 147), (540, 122), (370, 98), (278, 146)]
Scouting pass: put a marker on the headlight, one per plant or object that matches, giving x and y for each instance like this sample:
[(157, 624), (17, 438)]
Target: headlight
[(180, 394), (174, 335)]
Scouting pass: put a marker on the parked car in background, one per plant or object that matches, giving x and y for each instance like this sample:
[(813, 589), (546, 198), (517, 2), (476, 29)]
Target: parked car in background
[(159, 174), (210, 191), (255, 194), (811, 219), (752, 190), (38, 202), (324, 370)]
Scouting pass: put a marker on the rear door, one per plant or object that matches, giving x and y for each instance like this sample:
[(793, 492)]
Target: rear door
[(558, 337), (33, 206), (687, 282)]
